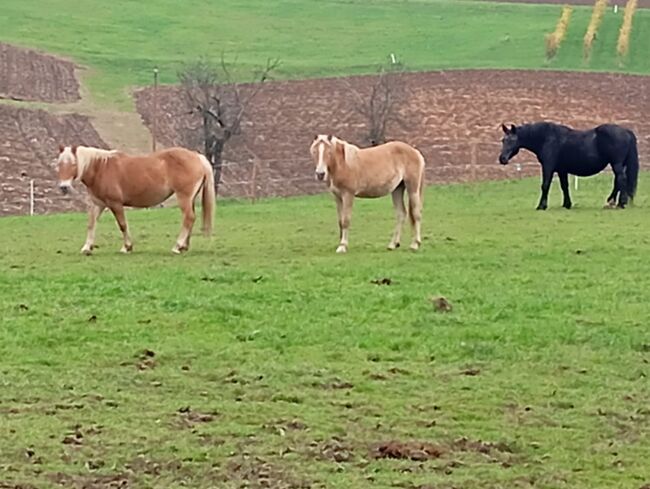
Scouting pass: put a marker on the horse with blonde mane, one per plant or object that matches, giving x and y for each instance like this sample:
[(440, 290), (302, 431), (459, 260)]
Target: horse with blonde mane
[(369, 173), (115, 179)]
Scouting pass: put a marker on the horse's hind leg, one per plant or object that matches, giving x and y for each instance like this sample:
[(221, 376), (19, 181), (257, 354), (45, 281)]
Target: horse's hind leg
[(186, 204), (620, 184), (400, 215), (564, 184), (118, 212), (415, 212)]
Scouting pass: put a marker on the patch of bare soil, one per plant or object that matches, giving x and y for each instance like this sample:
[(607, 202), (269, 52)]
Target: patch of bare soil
[(30, 75), (256, 472), (186, 417), (410, 450), (92, 481), (421, 451), (334, 449), (453, 117), (28, 150)]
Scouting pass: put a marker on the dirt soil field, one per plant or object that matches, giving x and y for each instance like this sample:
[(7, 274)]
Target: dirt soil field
[(29, 146), (453, 117), (30, 75)]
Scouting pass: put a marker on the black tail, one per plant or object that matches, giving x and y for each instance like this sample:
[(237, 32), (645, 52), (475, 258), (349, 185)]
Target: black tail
[(632, 168)]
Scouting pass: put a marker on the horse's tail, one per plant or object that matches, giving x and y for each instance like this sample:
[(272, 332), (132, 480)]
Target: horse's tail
[(208, 196), (419, 190), (632, 168)]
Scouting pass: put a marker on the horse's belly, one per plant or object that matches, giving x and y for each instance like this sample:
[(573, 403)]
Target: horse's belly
[(378, 189), (585, 168), (147, 197)]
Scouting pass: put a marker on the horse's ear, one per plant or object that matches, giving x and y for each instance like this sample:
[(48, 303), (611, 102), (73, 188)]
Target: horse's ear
[(505, 129), (61, 148), (74, 150), (513, 129)]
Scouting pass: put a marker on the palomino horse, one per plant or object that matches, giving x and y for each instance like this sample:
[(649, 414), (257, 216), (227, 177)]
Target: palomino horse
[(371, 172), (114, 180)]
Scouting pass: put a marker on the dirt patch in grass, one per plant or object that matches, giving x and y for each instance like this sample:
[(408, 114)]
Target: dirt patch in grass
[(409, 450), (186, 417), (422, 451), (90, 481), (255, 472)]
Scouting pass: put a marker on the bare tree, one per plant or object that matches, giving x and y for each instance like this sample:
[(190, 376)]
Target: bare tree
[(381, 106), (212, 94)]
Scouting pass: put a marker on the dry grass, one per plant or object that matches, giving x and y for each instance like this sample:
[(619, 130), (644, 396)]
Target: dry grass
[(623, 45), (555, 38), (596, 19)]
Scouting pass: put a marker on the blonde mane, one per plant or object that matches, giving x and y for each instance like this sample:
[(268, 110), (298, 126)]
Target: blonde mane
[(86, 155), (350, 151)]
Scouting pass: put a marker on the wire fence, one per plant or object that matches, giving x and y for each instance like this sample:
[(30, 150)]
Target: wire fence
[(254, 178)]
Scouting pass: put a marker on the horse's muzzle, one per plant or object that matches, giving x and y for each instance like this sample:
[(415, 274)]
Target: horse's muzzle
[(503, 160), (65, 189), (320, 175)]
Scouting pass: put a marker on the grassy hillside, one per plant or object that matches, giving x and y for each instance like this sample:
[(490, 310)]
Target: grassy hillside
[(124, 40), (274, 361)]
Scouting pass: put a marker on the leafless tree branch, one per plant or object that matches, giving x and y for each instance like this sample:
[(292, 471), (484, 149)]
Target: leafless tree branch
[(212, 93), (380, 108)]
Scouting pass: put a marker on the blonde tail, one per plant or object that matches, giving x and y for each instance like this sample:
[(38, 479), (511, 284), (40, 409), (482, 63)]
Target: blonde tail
[(208, 196)]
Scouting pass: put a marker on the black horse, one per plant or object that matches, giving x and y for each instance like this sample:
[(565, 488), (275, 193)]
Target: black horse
[(565, 151)]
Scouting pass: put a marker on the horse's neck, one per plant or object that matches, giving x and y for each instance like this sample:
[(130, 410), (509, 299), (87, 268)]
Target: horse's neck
[(90, 173), (530, 140), (340, 169)]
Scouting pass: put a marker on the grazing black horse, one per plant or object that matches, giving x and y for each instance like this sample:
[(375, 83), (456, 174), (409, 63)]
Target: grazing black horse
[(565, 151)]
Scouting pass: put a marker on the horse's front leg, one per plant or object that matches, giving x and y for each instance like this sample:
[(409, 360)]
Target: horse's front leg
[(564, 183), (547, 178), (344, 207), (94, 211), (611, 200), (118, 212)]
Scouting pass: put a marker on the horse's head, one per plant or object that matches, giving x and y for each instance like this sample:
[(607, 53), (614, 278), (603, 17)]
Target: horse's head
[(67, 167), (509, 144), (324, 151)]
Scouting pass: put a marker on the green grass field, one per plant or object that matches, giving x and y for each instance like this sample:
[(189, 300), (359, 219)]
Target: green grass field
[(294, 365), (122, 41)]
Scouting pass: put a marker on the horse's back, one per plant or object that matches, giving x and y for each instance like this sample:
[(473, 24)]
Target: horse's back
[(398, 151)]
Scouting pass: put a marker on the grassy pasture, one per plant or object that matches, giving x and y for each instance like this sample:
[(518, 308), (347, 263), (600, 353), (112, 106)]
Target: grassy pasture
[(122, 41), (294, 365)]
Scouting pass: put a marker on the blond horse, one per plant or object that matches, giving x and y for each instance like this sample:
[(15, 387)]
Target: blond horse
[(371, 172), (114, 180)]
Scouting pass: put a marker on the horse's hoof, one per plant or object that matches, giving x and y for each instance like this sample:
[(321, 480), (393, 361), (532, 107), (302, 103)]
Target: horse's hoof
[(567, 206), (415, 246), (341, 249), (393, 246), (87, 250), (126, 249), (541, 208)]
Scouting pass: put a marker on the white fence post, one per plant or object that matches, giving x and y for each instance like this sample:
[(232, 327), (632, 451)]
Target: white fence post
[(31, 197)]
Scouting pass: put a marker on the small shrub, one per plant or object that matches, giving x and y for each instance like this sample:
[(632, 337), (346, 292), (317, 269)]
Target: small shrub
[(596, 19), (623, 45)]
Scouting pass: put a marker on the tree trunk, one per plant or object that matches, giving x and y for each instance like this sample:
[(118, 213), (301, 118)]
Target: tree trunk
[(215, 156)]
